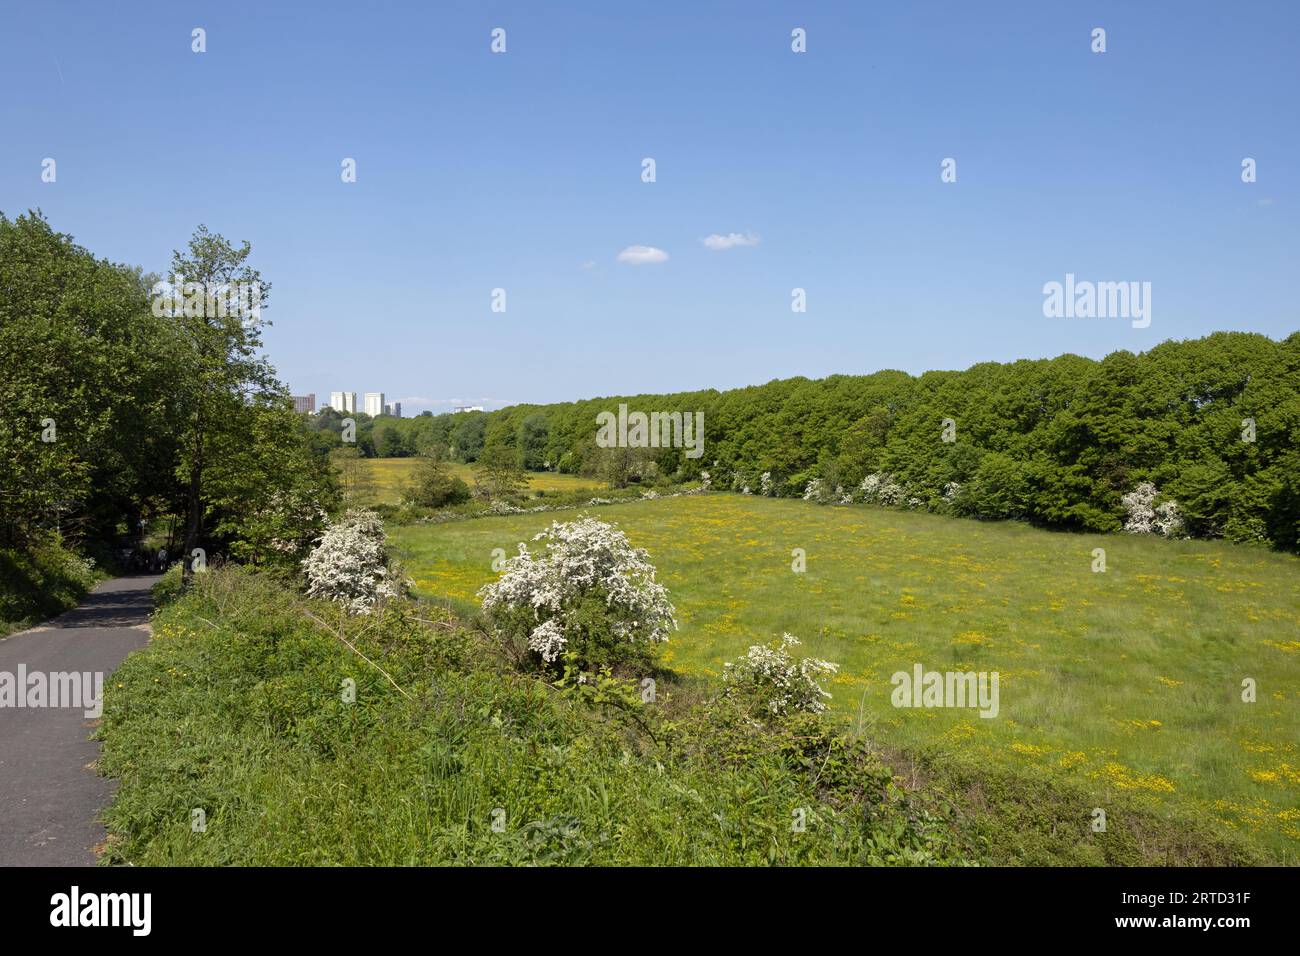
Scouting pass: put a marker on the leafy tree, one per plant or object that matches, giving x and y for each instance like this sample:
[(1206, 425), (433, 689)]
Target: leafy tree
[(218, 365), (497, 474), (433, 485)]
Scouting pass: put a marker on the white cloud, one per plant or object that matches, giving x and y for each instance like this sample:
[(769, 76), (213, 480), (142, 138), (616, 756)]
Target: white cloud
[(589, 264), (730, 240), (640, 255)]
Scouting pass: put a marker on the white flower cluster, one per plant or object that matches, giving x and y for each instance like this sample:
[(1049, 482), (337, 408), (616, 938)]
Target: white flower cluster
[(1144, 516), (350, 565), (706, 480), (765, 484), (842, 496), (499, 507), (814, 491), (951, 490), (583, 557), (880, 488), (783, 684)]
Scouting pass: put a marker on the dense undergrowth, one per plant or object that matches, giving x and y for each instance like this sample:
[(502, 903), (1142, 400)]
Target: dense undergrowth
[(241, 707), (40, 581)]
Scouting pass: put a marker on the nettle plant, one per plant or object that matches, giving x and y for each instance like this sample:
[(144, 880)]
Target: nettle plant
[(777, 682), (351, 566), (589, 599), (1144, 516)]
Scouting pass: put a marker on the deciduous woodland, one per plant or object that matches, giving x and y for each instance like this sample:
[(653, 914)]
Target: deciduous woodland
[(1212, 423)]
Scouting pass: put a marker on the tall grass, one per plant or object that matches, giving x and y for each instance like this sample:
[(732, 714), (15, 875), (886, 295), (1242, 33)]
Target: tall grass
[(1131, 678), (236, 708)]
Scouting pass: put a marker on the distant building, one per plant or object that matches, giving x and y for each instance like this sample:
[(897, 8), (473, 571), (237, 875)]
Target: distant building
[(304, 404), (395, 409), (344, 402), (374, 404), (467, 408)]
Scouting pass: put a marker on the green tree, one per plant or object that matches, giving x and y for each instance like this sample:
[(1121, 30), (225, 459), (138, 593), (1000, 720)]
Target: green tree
[(220, 373), (434, 486), (497, 473)]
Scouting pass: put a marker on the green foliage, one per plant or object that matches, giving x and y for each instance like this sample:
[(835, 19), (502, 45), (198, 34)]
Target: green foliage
[(498, 475), (121, 404), (1052, 441), (40, 581), (86, 431), (238, 707), (433, 486)]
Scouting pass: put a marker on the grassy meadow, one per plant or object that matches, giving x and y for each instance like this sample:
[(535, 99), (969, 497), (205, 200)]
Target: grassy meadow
[(386, 478), (1131, 677)]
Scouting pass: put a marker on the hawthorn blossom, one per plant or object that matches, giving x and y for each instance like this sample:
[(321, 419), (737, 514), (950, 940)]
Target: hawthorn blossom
[(782, 683), (582, 558), (1144, 516), (350, 564)]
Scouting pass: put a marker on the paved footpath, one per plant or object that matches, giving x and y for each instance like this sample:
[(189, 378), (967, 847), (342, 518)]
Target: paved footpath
[(50, 795)]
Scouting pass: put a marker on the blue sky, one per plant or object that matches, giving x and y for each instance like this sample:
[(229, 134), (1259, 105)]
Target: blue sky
[(522, 171)]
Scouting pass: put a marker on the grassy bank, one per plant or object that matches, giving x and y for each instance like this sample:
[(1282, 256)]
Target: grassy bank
[(238, 707), (1128, 679), (41, 582)]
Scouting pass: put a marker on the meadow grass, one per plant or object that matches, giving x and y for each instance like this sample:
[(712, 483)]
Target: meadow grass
[(311, 737), (1131, 677), (387, 478)]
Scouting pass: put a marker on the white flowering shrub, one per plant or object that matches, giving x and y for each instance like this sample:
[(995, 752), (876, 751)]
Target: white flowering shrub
[(706, 480), (951, 490), (1143, 516), (816, 490), (589, 594), (778, 683), (842, 496), (765, 486), (880, 488), (350, 565)]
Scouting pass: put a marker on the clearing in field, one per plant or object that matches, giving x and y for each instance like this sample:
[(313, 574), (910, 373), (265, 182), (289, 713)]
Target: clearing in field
[(1133, 676)]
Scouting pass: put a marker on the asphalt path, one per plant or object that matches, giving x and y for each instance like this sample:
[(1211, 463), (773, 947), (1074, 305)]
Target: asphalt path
[(50, 794)]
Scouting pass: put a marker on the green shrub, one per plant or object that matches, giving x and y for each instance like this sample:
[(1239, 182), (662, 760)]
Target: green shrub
[(41, 581)]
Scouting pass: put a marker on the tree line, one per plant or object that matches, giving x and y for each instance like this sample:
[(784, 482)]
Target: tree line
[(1213, 423), (128, 398)]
